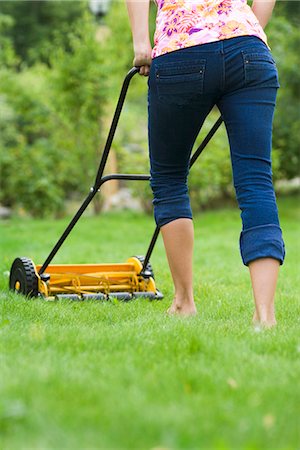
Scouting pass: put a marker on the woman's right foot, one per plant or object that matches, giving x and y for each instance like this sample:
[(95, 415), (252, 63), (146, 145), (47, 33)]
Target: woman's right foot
[(267, 323)]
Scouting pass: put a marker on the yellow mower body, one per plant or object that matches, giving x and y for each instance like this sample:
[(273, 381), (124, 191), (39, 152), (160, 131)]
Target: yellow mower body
[(84, 281)]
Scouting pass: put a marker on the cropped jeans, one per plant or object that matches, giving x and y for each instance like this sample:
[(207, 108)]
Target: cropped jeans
[(239, 76)]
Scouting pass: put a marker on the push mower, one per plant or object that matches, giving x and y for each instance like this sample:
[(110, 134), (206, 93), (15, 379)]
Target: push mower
[(131, 279)]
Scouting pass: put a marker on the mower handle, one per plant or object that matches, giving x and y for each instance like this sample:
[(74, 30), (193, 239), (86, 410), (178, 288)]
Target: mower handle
[(98, 181), (114, 124)]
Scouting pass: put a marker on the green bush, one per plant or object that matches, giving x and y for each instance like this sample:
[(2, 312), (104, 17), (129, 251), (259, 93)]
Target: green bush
[(28, 158), (285, 43), (8, 57)]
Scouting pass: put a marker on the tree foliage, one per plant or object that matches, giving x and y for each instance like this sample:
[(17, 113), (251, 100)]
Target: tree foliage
[(51, 125), (38, 26)]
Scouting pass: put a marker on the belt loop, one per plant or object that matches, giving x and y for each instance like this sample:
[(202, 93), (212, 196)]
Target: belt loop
[(222, 46)]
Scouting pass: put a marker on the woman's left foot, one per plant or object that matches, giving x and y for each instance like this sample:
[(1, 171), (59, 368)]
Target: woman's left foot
[(185, 309)]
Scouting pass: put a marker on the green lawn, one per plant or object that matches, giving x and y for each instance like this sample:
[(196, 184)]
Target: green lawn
[(125, 375)]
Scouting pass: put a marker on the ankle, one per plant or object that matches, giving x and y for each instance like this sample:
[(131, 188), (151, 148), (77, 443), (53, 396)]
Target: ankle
[(184, 299), (264, 317), (265, 313), (183, 308)]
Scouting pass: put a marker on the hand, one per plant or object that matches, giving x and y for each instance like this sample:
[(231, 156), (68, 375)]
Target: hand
[(142, 59)]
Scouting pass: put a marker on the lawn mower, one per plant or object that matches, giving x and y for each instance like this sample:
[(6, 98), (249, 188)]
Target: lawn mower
[(125, 281)]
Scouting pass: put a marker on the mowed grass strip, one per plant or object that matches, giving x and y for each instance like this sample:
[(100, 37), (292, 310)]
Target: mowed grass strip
[(125, 375)]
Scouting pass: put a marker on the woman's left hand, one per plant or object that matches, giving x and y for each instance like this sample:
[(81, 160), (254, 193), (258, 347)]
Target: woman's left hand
[(142, 59)]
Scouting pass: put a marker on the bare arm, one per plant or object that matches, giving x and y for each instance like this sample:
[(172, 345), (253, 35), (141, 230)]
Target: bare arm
[(138, 12), (263, 10)]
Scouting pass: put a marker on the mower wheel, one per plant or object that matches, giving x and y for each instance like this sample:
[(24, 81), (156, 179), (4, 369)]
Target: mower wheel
[(23, 278), (148, 268)]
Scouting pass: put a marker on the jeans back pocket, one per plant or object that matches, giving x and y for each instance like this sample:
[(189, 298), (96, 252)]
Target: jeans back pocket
[(179, 82), (260, 68)]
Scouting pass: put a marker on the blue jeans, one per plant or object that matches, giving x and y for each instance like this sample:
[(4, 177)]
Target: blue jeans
[(239, 76)]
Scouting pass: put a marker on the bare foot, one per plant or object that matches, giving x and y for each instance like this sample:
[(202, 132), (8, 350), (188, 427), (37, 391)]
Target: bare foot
[(255, 318), (260, 324), (182, 309)]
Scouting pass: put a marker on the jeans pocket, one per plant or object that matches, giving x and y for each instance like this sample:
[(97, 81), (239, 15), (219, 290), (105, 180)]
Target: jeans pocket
[(179, 82), (260, 68)]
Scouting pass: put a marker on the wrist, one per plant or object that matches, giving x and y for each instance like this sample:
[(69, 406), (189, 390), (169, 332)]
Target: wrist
[(141, 45)]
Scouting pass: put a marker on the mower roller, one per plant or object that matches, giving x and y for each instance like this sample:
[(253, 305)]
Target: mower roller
[(124, 281)]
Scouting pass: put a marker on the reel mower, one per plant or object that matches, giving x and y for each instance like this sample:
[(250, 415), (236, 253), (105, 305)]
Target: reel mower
[(125, 281)]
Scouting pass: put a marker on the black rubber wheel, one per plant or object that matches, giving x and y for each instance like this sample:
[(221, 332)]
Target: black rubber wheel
[(23, 278), (148, 268)]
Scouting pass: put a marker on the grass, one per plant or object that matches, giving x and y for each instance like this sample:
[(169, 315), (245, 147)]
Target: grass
[(124, 375)]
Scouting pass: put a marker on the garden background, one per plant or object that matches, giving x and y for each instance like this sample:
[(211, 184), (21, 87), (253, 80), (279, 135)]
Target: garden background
[(125, 375), (61, 70)]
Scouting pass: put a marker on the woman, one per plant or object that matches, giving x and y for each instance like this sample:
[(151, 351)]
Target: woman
[(206, 53)]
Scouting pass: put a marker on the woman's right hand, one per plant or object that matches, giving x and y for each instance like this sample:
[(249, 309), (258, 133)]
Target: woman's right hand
[(142, 58)]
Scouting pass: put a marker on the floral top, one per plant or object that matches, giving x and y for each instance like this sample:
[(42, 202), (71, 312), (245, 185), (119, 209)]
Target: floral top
[(181, 23)]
